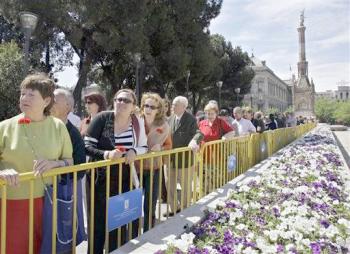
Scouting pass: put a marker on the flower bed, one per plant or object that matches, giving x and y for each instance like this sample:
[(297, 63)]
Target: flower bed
[(300, 204)]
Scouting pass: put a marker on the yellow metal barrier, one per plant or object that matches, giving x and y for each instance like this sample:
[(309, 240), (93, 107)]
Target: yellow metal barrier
[(188, 177)]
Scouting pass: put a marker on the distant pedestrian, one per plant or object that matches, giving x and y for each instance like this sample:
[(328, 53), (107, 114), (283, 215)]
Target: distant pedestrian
[(272, 124), (245, 127), (258, 122)]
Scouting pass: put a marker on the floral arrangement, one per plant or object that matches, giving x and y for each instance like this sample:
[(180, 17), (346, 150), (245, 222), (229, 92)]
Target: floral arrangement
[(24, 120), (121, 149), (300, 204)]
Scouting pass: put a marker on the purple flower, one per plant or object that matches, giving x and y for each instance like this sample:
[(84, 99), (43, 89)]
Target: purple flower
[(228, 237), (224, 249), (197, 250), (231, 204), (315, 248), (280, 248), (324, 223), (317, 185), (276, 212)]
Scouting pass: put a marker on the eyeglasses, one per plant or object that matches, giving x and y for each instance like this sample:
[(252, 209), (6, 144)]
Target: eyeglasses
[(150, 106), (88, 102), (125, 100)]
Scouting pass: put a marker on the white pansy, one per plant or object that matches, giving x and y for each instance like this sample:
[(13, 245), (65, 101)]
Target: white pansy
[(306, 242), (249, 250), (241, 226), (255, 205), (239, 247)]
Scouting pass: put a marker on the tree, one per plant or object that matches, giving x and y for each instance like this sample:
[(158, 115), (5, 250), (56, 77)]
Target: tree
[(342, 113), (11, 75), (324, 110)]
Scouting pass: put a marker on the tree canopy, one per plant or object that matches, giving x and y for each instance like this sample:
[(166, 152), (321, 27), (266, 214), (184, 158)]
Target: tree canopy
[(11, 62), (172, 37)]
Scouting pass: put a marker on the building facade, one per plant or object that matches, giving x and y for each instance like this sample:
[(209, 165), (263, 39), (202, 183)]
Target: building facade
[(343, 93), (267, 89), (329, 94)]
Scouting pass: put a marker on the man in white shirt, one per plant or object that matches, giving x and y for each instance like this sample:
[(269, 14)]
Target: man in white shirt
[(244, 126)]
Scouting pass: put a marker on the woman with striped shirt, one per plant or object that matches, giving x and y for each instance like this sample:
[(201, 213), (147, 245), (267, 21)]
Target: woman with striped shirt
[(112, 135)]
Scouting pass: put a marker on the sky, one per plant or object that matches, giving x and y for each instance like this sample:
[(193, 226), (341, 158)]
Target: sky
[(268, 28)]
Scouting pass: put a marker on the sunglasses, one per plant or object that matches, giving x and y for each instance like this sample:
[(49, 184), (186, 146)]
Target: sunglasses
[(125, 100), (150, 106)]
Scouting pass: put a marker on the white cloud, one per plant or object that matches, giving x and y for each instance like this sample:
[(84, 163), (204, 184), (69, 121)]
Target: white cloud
[(334, 41), (270, 28), (328, 74)]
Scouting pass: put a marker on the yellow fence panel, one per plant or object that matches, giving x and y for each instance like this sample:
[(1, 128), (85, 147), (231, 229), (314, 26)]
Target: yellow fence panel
[(188, 176)]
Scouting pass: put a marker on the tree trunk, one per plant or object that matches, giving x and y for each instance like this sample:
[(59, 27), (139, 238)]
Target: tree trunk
[(85, 65), (47, 58)]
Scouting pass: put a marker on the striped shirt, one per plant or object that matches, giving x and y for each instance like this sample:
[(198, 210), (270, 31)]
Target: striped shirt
[(125, 139)]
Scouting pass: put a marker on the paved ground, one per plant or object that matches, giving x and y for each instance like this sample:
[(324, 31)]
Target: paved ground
[(343, 138)]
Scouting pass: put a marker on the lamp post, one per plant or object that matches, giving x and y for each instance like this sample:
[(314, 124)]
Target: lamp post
[(188, 74), (219, 85), (237, 91), (28, 22), (137, 57)]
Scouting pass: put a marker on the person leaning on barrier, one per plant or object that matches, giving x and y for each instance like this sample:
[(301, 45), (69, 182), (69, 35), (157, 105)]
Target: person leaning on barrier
[(213, 128), (158, 139), (184, 132), (110, 136), (244, 126), (32, 141), (61, 109)]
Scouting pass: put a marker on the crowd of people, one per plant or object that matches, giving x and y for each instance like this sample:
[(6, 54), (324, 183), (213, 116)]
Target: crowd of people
[(47, 135)]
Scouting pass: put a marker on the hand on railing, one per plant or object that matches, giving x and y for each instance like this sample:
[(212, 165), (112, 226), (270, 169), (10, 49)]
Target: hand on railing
[(194, 146), (130, 156), (113, 155), (10, 175), (156, 148), (41, 165)]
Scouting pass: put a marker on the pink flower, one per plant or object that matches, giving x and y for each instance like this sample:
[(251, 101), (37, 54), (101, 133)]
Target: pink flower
[(120, 148), (24, 120)]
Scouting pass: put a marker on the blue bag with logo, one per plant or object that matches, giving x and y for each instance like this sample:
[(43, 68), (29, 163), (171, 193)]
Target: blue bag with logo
[(64, 234)]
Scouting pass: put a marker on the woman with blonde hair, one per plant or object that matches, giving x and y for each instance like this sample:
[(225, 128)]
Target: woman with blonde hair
[(213, 128), (158, 139)]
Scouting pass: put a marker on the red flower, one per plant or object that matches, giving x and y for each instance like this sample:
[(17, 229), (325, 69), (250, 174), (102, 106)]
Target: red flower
[(120, 148), (159, 130), (24, 120)]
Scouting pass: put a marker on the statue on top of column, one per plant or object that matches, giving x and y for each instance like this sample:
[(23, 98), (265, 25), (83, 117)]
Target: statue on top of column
[(302, 18)]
